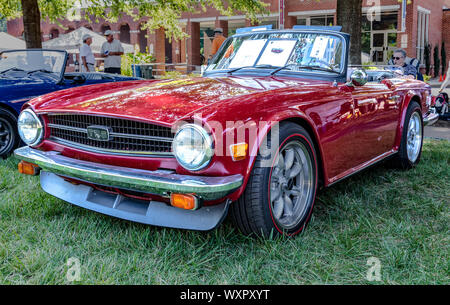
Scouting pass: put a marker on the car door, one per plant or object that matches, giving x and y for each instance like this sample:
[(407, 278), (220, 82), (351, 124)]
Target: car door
[(376, 112)]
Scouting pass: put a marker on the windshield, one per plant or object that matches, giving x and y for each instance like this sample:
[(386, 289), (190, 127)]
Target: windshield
[(33, 60), (295, 51)]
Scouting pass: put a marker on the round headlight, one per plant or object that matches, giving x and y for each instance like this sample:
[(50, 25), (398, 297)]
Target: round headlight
[(192, 147), (30, 128)]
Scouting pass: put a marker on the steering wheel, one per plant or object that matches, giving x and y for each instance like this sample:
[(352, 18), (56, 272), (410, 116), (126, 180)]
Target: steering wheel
[(326, 64)]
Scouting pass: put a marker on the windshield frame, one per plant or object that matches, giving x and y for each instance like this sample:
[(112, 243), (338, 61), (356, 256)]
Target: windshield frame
[(342, 77), (61, 75)]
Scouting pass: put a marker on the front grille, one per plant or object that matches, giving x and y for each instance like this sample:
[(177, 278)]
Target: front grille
[(126, 136)]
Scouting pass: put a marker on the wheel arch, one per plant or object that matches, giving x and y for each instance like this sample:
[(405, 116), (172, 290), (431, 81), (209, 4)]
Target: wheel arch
[(303, 121), (9, 108), (409, 98)]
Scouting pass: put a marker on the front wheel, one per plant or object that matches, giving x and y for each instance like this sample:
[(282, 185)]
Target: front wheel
[(9, 137), (411, 142), (281, 190)]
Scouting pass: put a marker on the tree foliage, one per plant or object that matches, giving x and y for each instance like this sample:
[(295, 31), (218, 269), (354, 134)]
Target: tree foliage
[(157, 13), (166, 13), (51, 9)]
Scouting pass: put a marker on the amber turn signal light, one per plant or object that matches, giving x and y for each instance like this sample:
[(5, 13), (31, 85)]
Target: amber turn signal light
[(239, 151), (184, 201), (28, 168)]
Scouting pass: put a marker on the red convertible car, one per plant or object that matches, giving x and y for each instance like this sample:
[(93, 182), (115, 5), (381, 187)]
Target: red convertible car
[(276, 116)]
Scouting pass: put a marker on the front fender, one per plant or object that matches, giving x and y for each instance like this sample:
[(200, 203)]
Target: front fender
[(408, 97), (266, 125)]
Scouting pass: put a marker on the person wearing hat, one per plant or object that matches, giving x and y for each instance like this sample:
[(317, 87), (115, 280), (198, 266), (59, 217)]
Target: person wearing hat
[(86, 55), (218, 40), (112, 51)]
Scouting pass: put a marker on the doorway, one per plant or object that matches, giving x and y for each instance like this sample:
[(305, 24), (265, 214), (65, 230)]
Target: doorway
[(382, 46)]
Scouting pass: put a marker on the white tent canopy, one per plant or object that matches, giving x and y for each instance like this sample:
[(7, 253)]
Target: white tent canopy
[(8, 42), (71, 42)]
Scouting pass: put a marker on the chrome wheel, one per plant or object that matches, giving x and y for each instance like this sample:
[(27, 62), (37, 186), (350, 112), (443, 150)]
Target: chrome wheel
[(414, 137), (5, 135), (291, 185)]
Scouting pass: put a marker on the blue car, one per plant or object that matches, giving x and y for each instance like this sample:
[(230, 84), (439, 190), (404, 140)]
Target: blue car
[(26, 74)]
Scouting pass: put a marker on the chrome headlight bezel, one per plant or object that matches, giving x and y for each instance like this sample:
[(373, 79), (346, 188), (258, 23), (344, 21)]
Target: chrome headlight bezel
[(207, 152), (37, 139)]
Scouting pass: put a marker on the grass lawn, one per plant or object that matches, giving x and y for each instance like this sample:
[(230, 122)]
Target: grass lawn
[(399, 217)]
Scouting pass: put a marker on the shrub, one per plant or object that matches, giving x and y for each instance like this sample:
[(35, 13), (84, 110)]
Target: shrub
[(437, 63), (427, 58), (134, 59)]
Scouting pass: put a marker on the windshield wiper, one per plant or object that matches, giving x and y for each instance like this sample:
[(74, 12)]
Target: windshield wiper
[(249, 67), (39, 70), (12, 69), (317, 68)]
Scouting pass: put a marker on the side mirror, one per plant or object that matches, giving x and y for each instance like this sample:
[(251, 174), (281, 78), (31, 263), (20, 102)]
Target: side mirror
[(359, 77)]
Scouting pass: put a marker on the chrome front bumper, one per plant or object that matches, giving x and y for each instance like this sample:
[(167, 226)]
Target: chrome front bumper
[(430, 118), (159, 182)]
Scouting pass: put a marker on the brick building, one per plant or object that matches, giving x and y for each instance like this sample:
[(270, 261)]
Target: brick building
[(384, 29)]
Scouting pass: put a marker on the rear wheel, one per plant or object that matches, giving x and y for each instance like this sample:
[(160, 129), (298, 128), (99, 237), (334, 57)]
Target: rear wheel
[(411, 143), (280, 193), (9, 137)]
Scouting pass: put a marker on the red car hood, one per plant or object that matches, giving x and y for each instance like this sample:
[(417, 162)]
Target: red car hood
[(159, 101)]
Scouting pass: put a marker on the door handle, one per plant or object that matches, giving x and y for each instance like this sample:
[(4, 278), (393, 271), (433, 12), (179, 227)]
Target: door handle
[(367, 101)]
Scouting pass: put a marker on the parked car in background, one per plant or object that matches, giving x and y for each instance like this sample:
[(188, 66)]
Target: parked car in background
[(274, 118), (26, 74)]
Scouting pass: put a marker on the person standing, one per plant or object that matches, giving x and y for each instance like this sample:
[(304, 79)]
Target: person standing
[(86, 55), (112, 51), (217, 41), (399, 60)]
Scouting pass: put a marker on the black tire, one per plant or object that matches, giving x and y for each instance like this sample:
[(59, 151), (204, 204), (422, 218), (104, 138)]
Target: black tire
[(9, 136), (402, 160), (254, 213)]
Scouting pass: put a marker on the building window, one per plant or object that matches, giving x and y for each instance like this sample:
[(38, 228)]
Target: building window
[(423, 22), (233, 25), (54, 33), (323, 20)]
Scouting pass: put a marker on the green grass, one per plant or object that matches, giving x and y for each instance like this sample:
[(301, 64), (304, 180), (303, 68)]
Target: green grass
[(399, 217)]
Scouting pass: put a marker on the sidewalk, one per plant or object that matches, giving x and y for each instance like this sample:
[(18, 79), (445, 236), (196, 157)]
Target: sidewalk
[(440, 130), (435, 83)]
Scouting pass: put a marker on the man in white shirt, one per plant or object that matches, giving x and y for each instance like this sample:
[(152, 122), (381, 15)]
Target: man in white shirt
[(86, 55), (112, 51)]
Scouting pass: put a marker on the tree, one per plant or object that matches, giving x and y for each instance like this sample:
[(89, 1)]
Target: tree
[(158, 13), (349, 15), (31, 23), (427, 58)]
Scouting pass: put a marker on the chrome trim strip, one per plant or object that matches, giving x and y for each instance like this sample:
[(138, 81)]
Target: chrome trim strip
[(365, 165), (109, 151), (157, 182), (82, 130)]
